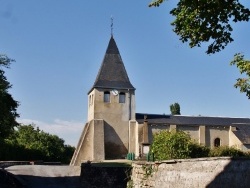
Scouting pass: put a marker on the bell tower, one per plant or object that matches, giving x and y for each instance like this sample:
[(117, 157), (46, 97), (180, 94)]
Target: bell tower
[(111, 112), (112, 98)]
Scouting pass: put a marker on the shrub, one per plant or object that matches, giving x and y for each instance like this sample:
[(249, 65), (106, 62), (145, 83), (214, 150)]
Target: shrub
[(179, 145), (198, 151), (176, 145), (225, 151), (169, 145)]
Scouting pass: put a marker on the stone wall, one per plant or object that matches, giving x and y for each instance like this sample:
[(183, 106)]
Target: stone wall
[(192, 173), (91, 143), (105, 175)]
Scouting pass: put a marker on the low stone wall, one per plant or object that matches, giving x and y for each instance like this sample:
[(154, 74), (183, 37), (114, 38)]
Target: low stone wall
[(192, 173), (105, 175), (5, 164)]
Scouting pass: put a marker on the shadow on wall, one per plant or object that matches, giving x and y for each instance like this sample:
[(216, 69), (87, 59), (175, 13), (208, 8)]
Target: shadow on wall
[(8, 180), (104, 175), (114, 147), (42, 182), (235, 175)]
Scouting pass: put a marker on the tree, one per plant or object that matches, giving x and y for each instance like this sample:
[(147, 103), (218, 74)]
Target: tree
[(244, 67), (39, 145), (175, 109), (176, 145), (201, 21), (8, 106), (33, 144)]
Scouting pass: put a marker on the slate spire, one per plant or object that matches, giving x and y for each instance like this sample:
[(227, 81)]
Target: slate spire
[(112, 73)]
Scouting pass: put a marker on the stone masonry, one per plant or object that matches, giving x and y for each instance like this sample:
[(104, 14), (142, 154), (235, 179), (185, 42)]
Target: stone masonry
[(192, 173)]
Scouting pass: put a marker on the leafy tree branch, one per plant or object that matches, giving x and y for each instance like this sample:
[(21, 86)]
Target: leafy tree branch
[(8, 106), (200, 21), (244, 67)]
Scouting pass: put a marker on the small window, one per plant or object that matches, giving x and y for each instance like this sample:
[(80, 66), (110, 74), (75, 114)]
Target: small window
[(122, 97), (216, 142), (90, 100), (106, 96)]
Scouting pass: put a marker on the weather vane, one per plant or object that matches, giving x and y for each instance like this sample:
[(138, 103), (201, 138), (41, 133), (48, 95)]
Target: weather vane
[(111, 25)]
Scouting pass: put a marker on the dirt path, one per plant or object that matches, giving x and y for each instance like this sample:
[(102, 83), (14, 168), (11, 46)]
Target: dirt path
[(41, 176)]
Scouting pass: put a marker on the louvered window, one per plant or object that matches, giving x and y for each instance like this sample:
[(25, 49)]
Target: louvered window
[(106, 96), (122, 97)]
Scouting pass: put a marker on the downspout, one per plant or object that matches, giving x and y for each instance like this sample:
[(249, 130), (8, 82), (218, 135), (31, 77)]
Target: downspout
[(129, 118), (129, 107)]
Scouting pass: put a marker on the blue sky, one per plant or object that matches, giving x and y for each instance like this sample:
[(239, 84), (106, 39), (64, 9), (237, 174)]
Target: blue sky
[(59, 46)]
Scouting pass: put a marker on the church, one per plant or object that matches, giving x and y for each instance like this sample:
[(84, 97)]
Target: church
[(114, 129)]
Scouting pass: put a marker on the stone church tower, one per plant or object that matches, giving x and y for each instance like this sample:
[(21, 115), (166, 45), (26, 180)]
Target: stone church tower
[(114, 129), (111, 112)]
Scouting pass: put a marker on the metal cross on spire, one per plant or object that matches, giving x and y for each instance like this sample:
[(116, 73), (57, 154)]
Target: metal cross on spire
[(111, 25)]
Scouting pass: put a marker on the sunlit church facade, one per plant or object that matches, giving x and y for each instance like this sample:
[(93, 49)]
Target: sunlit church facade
[(114, 129)]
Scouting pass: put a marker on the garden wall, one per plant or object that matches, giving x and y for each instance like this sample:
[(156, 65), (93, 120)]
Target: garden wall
[(105, 175), (192, 173)]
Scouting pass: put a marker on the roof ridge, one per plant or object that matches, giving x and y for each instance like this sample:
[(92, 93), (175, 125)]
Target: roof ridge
[(202, 116)]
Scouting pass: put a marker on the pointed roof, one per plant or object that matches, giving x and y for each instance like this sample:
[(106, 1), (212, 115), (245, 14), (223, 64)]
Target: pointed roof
[(112, 73)]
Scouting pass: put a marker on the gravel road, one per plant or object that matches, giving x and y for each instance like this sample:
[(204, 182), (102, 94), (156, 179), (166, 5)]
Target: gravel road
[(41, 176)]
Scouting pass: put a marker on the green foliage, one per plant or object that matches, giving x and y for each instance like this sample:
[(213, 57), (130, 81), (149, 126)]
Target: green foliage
[(175, 145), (206, 21), (8, 105), (149, 169), (156, 3), (198, 151), (27, 142), (51, 145), (12, 151), (178, 145), (210, 21), (5, 61), (225, 151), (244, 67), (175, 109), (30, 143)]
